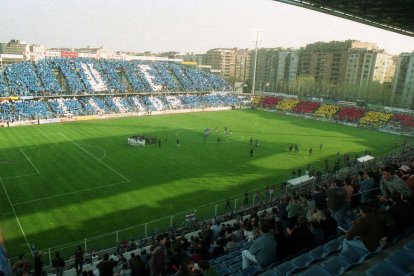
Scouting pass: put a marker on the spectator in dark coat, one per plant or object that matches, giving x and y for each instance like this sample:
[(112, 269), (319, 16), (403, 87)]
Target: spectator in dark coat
[(79, 259), (337, 201), (159, 256), (319, 197), (402, 212), (370, 228), (38, 264), (300, 237), (58, 264), (106, 267)]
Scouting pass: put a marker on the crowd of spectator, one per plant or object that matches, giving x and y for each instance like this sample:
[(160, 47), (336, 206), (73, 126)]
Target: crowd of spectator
[(270, 102), (402, 122), (87, 76), (305, 107), (47, 108), (287, 104), (327, 110), (350, 114), (379, 200), (257, 100), (375, 119), (338, 113)]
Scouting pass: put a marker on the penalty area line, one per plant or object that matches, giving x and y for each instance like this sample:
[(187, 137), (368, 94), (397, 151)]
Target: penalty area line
[(30, 161), (15, 214), (70, 193)]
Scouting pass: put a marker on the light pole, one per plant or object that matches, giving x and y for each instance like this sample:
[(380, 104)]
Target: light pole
[(255, 63)]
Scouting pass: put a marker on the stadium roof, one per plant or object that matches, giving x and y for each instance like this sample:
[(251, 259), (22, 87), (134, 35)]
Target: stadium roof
[(392, 15)]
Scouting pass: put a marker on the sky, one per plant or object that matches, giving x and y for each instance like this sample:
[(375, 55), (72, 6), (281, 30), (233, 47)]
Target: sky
[(181, 25)]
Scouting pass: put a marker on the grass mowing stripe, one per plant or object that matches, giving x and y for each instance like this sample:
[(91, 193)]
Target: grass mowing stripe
[(30, 161), (164, 181), (97, 159), (70, 193), (15, 214)]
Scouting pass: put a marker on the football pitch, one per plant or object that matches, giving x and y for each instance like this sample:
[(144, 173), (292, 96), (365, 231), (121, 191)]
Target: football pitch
[(62, 183)]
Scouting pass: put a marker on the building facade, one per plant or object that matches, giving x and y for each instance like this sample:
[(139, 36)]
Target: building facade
[(274, 66), (364, 66), (403, 85), (233, 63), (14, 47), (327, 61)]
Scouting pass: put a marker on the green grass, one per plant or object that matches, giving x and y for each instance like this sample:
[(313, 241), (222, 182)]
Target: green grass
[(71, 181)]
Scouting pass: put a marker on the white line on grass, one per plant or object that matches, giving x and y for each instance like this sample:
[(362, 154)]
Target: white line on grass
[(14, 138), (30, 161), (21, 175), (15, 214), (96, 158), (101, 149), (70, 193)]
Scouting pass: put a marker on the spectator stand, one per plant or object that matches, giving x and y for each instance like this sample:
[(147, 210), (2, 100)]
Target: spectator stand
[(296, 263)]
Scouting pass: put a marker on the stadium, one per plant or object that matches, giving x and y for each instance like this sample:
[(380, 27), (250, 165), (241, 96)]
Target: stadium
[(121, 166)]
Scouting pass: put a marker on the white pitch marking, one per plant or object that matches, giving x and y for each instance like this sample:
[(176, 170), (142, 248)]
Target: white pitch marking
[(70, 193), (96, 158), (30, 161), (15, 214)]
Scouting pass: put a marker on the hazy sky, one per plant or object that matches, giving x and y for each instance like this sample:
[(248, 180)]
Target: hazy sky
[(180, 25)]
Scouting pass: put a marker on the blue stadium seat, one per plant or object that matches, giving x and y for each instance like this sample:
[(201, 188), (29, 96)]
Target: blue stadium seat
[(236, 266), (224, 271), (320, 252), (268, 273), (384, 269), (251, 270), (335, 244), (403, 259), (409, 245), (335, 264), (286, 268), (303, 260), (355, 255), (316, 270)]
